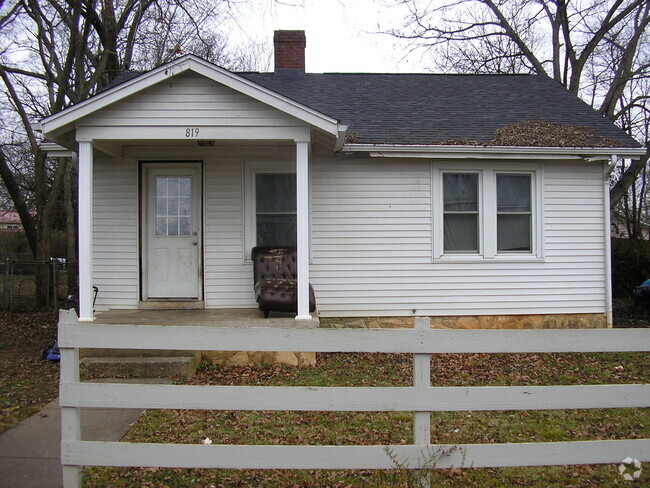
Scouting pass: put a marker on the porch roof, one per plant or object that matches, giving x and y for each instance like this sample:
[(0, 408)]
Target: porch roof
[(61, 127)]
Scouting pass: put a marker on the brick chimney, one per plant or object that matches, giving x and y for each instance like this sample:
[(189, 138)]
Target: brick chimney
[(289, 46)]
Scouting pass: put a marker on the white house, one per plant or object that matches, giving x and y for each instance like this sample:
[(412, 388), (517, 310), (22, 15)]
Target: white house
[(407, 195)]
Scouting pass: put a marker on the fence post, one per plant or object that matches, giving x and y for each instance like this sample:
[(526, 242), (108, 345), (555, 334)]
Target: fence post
[(11, 285), (55, 291), (422, 378), (70, 416), (7, 284)]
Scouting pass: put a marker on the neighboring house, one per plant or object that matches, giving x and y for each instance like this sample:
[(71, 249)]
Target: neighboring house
[(479, 200), (10, 221)]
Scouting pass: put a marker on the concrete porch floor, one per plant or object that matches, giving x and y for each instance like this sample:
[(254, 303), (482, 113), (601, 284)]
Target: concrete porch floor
[(217, 317)]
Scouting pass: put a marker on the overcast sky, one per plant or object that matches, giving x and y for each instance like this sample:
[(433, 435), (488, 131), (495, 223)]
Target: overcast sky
[(341, 34)]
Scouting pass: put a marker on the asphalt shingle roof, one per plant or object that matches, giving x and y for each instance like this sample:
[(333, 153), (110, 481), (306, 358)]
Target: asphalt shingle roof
[(430, 108)]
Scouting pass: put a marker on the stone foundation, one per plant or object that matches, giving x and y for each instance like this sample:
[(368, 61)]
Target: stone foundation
[(551, 321), (306, 359), (250, 358)]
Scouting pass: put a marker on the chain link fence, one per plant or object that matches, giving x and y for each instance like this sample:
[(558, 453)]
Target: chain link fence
[(20, 281)]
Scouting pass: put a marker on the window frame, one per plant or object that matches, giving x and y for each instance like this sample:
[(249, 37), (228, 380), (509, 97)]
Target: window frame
[(488, 172), (249, 204), (478, 212), (530, 213)]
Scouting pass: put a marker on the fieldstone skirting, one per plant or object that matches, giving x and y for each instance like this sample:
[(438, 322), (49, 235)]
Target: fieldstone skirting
[(305, 359), (250, 358), (552, 321)]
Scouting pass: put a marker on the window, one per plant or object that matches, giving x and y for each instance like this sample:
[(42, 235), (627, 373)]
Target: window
[(173, 205), (481, 211), (461, 212), (514, 213), (275, 209)]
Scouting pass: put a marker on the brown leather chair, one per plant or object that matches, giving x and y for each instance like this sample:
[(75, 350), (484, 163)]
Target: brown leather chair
[(276, 280)]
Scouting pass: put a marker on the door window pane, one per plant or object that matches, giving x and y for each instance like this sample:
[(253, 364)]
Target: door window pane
[(275, 204), (514, 213), (461, 212), (173, 206)]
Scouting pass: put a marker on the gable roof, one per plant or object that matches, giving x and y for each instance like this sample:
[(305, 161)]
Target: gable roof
[(401, 110), (143, 80), (425, 109)]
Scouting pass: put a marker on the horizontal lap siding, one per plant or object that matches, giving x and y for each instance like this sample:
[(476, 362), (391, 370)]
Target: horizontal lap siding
[(115, 233), (228, 279), (371, 247), (190, 100)]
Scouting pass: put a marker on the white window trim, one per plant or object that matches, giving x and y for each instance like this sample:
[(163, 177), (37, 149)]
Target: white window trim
[(487, 172), (481, 213), (251, 168)]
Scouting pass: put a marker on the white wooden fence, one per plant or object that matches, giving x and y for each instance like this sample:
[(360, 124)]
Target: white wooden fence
[(420, 399)]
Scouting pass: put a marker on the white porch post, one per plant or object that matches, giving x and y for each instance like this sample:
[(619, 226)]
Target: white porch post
[(302, 218), (85, 230)]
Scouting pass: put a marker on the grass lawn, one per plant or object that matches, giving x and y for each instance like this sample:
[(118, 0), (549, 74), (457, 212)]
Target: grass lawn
[(26, 382), (230, 427)]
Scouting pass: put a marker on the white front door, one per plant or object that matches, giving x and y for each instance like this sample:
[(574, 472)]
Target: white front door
[(173, 231)]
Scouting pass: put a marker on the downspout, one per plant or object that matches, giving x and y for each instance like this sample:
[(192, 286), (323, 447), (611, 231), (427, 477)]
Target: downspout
[(608, 242)]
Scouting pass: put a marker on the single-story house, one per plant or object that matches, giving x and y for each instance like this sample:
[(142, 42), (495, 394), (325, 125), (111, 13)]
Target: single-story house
[(477, 200), (10, 221)]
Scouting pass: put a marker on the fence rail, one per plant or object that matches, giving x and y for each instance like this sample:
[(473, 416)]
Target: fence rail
[(421, 399)]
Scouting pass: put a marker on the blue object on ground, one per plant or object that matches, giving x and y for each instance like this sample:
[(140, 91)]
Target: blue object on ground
[(52, 353)]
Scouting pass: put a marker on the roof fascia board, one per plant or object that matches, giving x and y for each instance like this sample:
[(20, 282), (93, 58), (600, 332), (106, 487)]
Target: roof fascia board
[(500, 152), (199, 66)]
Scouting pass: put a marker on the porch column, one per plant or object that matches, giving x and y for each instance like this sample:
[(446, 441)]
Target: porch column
[(85, 230), (302, 220)]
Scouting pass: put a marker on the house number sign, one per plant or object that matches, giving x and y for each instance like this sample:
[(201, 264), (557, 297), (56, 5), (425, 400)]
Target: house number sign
[(192, 132)]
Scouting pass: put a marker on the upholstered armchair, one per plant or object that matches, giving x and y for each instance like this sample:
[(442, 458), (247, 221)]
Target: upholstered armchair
[(276, 280)]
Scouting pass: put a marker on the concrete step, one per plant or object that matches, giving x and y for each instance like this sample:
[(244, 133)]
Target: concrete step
[(139, 367), (143, 353)]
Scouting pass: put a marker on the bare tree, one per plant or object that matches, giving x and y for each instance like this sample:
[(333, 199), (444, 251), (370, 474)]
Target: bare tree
[(598, 49), (55, 53)]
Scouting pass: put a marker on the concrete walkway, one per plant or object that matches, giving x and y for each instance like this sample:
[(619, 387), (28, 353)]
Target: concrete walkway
[(30, 453)]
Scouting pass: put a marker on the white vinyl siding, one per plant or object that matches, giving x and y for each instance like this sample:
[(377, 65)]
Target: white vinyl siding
[(371, 247), (115, 233), (228, 279), (371, 240), (189, 101)]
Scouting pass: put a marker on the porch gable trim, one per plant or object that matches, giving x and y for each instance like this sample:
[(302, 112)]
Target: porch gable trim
[(199, 66)]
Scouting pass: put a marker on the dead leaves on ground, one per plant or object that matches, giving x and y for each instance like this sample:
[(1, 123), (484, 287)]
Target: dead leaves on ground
[(26, 382)]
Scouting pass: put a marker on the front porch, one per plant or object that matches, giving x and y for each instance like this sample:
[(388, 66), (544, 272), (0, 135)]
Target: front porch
[(171, 165), (216, 317)]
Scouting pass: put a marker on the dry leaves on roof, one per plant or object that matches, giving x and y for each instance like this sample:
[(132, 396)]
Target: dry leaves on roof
[(540, 134), (352, 137), (546, 134)]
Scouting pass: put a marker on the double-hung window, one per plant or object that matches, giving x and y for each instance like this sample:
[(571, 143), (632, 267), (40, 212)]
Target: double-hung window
[(275, 209), (270, 211), (514, 213), (461, 212), (483, 212)]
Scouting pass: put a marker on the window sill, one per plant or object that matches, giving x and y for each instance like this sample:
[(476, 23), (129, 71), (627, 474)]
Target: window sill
[(469, 259)]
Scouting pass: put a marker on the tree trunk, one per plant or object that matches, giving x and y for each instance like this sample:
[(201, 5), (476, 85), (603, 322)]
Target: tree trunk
[(72, 269), (626, 180)]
